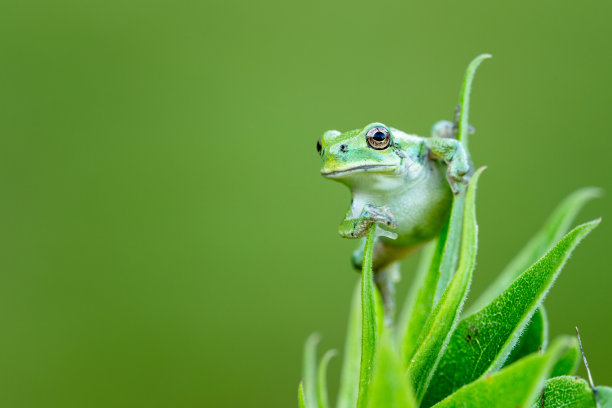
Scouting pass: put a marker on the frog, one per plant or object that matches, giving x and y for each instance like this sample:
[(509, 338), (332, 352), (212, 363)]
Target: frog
[(403, 183)]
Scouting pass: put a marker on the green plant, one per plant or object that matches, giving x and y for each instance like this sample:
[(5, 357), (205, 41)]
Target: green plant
[(496, 355)]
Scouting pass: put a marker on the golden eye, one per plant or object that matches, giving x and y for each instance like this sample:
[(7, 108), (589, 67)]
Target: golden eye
[(378, 138)]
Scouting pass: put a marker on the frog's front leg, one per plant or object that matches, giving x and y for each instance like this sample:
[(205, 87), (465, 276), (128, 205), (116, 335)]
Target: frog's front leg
[(370, 214), (455, 156)]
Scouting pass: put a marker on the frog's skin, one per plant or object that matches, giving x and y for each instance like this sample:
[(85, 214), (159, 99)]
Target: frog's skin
[(404, 183)]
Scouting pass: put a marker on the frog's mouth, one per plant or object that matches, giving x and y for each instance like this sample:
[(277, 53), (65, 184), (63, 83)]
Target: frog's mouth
[(367, 168)]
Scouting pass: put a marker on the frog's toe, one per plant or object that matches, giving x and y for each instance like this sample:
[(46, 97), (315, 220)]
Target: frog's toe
[(454, 183), (443, 129), (381, 232), (384, 216)]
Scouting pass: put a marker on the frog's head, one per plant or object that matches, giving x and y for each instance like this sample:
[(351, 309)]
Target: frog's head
[(360, 153)]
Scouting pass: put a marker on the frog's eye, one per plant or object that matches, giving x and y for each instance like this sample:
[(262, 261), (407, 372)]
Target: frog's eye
[(319, 146), (378, 138)]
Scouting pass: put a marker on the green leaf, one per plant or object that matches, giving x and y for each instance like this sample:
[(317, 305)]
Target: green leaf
[(569, 362), (444, 257), (379, 308), (415, 286), (322, 379), (464, 98), (301, 402), (442, 264), (604, 394), (515, 386), (349, 376), (368, 320), (389, 388), (481, 342), (309, 367), (414, 319), (555, 227), (567, 392), (440, 323), (534, 338), (450, 237)]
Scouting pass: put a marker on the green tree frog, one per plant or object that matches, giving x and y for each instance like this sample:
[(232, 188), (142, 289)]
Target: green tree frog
[(401, 182)]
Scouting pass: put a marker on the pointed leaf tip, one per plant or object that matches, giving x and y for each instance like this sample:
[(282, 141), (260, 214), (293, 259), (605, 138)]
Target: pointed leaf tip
[(322, 395), (557, 225), (464, 97), (309, 367), (301, 401)]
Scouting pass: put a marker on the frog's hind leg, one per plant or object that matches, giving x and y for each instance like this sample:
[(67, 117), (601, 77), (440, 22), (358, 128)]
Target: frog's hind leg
[(448, 130), (385, 279)]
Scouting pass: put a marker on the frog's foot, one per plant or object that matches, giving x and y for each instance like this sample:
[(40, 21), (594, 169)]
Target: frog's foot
[(457, 175), (371, 214), (444, 129), (456, 158), (447, 129), (381, 215), (381, 232)]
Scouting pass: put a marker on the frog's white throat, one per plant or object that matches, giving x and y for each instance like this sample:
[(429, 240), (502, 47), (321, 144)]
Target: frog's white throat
[(391, 181)]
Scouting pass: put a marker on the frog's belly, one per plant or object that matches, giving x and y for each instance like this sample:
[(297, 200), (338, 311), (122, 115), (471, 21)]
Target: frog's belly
[(420, 223), (421, 212)]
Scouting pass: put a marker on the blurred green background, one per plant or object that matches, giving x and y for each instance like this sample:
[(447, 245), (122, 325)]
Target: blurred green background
[(166, 238)]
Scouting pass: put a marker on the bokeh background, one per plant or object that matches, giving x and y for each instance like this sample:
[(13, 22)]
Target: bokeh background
[(166, 239)]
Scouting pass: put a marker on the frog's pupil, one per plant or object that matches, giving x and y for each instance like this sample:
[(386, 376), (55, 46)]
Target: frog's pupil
[(379, 136)]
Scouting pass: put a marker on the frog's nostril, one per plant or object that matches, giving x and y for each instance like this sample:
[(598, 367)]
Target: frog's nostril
[(343, 148)]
